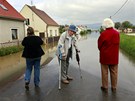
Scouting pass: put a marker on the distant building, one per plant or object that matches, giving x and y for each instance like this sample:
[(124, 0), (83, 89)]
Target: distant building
[(133, 30), (81, 28), (128, 30), (44, 25), (125, 30), (11, 25)]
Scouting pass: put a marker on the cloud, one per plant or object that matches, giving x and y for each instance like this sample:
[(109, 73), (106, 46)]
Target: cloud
[(83, 11)]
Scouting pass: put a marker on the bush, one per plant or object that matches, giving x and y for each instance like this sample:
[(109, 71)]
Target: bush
[(10, 50), (83, 32)]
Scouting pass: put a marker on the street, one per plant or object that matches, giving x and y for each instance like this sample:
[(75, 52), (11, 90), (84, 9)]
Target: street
[(85, 89)]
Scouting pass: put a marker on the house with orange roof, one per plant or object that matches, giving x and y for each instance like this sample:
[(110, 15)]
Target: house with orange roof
[(12, 27), (44, 26)]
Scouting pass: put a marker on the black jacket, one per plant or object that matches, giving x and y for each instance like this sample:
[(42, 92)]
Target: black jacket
[(32, 47)]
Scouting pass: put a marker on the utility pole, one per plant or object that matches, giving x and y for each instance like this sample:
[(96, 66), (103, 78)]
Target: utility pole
[(110, 17), (31, 3), (32, 15)]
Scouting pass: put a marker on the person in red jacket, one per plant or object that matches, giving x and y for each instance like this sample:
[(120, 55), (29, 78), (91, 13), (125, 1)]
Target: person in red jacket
[(108, 45)]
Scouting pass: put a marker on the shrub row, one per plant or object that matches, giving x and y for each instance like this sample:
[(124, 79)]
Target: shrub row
[(83, 32), (10, 50)]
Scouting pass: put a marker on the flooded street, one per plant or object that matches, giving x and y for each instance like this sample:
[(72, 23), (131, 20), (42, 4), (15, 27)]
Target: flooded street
[(13, 66), (86, 88), (126, 71)]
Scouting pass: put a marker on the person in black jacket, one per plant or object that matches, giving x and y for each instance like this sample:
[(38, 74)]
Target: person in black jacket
[(32, 52)]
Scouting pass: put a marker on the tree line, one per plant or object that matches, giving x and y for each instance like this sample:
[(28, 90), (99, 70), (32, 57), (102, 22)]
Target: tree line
[(124, 25), (121, 26)]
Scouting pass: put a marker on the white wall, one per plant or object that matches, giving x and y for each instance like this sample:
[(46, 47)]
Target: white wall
[(53, 28), (35, 22), (5, 30)]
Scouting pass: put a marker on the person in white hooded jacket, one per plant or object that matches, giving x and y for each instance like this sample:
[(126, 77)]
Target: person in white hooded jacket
[(66, 43)]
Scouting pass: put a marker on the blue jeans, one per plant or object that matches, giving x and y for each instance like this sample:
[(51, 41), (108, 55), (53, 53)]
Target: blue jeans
[(30, 63)]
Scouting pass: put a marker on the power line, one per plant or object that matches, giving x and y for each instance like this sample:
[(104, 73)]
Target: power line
[(119, 8)]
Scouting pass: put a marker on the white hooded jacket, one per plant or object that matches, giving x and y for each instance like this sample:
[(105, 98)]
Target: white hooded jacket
[(64, 44)]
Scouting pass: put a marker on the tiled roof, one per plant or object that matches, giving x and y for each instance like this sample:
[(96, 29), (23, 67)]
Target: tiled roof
[(9, 12), (48, 20)]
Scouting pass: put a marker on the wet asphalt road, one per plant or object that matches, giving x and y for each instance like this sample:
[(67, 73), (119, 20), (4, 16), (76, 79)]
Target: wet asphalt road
[(85, 89)]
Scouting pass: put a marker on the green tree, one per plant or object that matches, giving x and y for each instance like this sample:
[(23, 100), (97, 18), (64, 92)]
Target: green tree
[(101, 29), (117, 25), (126, 24), (61, 28), (133, 26)]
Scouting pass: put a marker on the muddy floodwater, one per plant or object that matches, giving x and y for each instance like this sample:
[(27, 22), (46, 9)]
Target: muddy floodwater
[(13, 66)]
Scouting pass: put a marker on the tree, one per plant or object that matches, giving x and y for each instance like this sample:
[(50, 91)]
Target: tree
[(133, 26), (117, 25), (126, 24), (101, 29), (61, 28)]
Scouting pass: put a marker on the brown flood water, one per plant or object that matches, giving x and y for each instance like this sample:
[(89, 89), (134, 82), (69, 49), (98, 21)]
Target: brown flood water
[(13, 66)]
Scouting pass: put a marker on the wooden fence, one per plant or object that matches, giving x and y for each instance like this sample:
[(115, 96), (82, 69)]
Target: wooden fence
[(16, 43)]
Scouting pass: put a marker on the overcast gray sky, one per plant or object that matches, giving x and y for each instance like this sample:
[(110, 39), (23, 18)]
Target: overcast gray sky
[(82, 11)]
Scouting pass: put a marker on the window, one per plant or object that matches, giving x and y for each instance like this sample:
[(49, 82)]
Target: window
[(3, 7), (14, 34), (55, 32), (50, 32), (27, 21)]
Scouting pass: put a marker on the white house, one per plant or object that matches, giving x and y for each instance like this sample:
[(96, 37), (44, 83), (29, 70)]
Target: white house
[(44, 26), (128, 30), (11, 25)]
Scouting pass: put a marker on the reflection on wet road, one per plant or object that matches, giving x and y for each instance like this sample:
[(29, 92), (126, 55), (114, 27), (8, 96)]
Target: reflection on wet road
[(126, 72), (13, 66)]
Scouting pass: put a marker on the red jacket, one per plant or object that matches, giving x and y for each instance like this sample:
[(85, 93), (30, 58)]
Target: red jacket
[(108, 45)]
